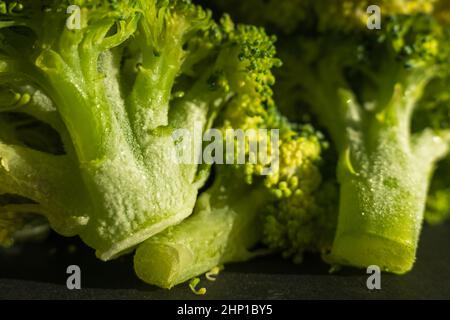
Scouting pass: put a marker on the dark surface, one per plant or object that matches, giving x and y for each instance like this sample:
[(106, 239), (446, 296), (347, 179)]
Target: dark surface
[(38, 271)]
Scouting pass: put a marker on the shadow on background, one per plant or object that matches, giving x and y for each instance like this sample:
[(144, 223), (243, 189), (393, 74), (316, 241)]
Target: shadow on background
[(38, 270)]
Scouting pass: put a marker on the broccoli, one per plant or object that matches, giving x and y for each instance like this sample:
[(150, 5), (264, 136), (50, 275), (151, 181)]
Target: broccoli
[(363, 87), (94, 94), (242, 207), (114, 88), (366, 88), (239, 211)]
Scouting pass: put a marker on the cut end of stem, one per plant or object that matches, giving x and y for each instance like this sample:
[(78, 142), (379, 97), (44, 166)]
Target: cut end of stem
[(363, 250), (160, 264)]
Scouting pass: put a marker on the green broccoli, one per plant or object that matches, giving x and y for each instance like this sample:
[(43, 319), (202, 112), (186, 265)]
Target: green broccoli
[(243, 207), (364, 87), (240, 210), (115, 88), (94, 94)]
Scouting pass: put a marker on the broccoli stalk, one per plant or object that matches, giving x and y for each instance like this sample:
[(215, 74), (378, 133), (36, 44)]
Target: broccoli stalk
[(364, 88), (224, 227), (384, 175)]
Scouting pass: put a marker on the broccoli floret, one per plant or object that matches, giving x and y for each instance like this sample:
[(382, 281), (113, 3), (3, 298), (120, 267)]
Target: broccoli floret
[(303, 222), (115, 88), (233, 215)]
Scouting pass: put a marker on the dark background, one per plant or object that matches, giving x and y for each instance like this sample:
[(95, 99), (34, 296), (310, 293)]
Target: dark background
[(38, 271)]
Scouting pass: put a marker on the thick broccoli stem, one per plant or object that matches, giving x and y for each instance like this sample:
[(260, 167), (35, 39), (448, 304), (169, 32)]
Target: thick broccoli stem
[(222, 229), (384, 174), (124, 187), (381, 207), (122, 170)]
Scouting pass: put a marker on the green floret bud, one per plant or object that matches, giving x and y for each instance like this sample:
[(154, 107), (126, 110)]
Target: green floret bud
[(301, 219)]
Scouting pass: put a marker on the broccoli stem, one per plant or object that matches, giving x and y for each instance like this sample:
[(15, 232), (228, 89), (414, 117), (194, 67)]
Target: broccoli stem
[(149, 107), (381, 210), (384, 174), (122, 186), (127, 175), (222, 229)]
